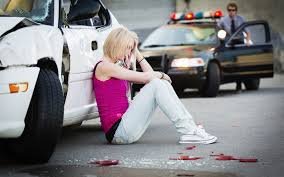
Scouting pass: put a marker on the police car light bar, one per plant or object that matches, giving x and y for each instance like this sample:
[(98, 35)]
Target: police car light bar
[(189, 16), (199, 15), (218, 13), (176, 16)]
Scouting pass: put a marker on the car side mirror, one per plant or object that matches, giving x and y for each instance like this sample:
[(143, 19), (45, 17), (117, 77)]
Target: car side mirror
[(83, 9)]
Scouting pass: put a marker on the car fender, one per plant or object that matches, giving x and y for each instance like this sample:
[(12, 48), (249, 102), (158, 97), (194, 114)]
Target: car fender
[(26, 46), (13, 122)]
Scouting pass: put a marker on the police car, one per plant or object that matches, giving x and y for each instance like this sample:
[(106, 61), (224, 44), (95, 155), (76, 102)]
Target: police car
[(47, 53), (195, 53)]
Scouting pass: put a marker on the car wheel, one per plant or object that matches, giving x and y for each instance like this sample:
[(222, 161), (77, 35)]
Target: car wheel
[(43, 122), (211, 87), (252, 84)]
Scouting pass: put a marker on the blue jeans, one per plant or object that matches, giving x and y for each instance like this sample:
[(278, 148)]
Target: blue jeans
[(138, 115)]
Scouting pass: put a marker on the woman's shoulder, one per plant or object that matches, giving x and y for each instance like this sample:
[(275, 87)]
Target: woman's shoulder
[(101, 70)]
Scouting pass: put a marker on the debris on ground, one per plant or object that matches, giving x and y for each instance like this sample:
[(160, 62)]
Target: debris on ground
[(104, 162), (186, 158), (247, 160), (226, 157), (190, 147), (221, 156)]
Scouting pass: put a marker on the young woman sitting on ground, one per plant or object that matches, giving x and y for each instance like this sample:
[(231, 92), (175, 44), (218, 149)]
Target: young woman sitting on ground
[(124, 122)]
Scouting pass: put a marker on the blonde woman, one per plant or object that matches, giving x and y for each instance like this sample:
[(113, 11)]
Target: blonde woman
[(125, 123)]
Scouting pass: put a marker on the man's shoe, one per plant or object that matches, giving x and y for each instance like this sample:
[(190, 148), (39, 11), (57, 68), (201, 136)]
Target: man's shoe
[(198, 136)]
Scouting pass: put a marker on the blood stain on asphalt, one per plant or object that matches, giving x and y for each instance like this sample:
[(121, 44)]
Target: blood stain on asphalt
[(104, 162)]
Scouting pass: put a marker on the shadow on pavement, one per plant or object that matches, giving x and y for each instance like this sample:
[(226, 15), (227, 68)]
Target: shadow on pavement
[(95, 171), (69, 136), (232, 92)]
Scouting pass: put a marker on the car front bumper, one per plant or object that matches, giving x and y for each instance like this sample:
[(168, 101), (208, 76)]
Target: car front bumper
[(187, 77), (14, 106)]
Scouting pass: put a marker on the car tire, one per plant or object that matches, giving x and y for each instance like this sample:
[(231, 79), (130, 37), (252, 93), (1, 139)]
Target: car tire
[(252, 84), (212, 84), (43, 122), (76, 125)]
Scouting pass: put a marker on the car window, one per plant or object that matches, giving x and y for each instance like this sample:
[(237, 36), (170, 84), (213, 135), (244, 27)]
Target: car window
[(257, 35), (181, 34), (38, 10), (99, 20)]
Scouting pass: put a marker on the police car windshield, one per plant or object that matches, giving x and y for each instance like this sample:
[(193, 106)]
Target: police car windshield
[(38, 10), (181, 34)]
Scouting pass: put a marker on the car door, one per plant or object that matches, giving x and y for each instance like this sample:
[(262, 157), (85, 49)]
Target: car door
[(254, 58), (85, 46)]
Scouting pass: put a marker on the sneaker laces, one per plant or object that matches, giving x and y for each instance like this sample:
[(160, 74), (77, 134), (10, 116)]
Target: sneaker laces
[(202, 132)]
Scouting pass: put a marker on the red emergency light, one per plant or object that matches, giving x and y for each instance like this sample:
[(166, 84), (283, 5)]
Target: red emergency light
[(189, 16), (218, 13), (173, 16)]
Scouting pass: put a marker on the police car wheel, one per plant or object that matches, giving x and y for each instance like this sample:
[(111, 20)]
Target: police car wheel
[(252, 84), (43, 121), (211, 87)]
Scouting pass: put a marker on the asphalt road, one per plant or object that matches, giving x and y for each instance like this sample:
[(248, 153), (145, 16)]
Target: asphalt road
[(248, 125)]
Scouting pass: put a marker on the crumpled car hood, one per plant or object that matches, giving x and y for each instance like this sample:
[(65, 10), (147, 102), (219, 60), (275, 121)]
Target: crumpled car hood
[(8, 23), (24, 42)]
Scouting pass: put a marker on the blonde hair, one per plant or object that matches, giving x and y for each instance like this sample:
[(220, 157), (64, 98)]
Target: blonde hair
[(118, 41)]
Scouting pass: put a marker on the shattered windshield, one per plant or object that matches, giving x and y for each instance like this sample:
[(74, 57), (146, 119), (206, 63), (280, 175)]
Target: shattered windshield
[(38, 10)]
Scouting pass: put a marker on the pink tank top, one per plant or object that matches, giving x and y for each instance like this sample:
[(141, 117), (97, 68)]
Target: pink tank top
[(112, 101)]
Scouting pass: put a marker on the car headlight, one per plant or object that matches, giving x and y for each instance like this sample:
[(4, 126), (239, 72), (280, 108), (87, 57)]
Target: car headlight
[(187, 62)]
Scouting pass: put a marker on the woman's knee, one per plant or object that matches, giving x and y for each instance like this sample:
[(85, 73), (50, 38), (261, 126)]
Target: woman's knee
[(156, 82)]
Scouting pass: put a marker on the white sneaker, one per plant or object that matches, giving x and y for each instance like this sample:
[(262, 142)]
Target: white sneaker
[(198, 136)]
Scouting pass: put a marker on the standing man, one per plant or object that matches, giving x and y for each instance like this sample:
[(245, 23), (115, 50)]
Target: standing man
[(230, 23)]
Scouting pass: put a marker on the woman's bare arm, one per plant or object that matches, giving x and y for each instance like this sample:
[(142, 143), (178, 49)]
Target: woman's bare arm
[(145, 66), (112, 70)]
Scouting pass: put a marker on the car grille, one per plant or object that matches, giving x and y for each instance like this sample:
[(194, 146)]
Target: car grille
[(155, 62)]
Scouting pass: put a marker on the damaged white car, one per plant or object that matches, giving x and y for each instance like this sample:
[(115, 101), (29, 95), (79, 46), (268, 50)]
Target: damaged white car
[(48, 49)]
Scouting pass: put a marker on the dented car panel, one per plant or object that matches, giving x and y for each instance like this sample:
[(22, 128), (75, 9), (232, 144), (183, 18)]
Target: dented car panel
[(41, 40), (8, 23)]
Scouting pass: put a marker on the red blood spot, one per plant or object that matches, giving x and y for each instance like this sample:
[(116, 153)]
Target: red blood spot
[(105, 162), (190, 147), (226, 157), (186, 158), (221, 154), (247, 160)]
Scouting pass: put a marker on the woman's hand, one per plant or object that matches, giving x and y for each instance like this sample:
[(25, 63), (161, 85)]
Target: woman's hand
[(136, 53), (167, 78), (127, 61)]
